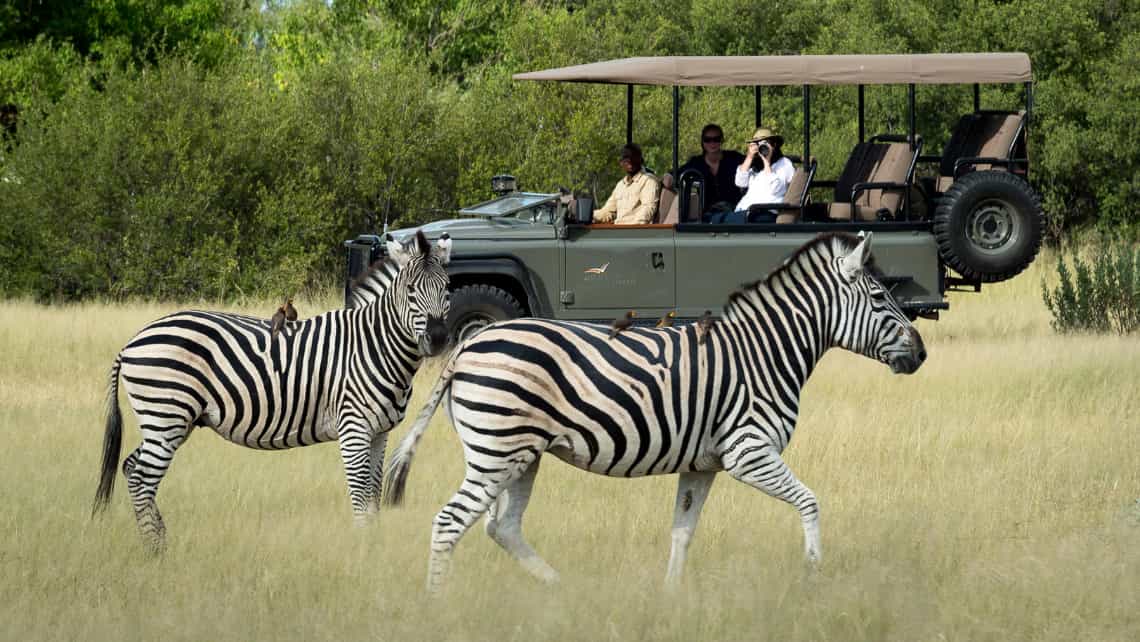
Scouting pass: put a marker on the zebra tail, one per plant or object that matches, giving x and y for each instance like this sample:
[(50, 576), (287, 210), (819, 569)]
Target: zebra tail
[(112, 442), (401, 462)]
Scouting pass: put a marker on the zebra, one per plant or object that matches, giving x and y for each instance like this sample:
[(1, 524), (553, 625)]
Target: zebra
[(345, 375), (655, 401)]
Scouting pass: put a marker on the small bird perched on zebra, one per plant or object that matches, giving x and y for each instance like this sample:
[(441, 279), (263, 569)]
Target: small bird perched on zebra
[(611, 413), (704, 324), (622, 322), (196, 369), (285, 312), (667, 320)]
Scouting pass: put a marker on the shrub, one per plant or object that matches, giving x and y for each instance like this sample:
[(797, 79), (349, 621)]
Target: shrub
[(1101, 296)]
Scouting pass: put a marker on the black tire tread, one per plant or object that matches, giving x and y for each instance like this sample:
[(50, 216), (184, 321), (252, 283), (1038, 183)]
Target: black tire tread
[(944, 234)]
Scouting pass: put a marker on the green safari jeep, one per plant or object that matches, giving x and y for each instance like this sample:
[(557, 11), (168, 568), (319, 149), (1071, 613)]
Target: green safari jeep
[(951, 220)]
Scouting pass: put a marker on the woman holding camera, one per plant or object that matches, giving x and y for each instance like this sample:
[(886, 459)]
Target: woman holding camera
[(766, 172)]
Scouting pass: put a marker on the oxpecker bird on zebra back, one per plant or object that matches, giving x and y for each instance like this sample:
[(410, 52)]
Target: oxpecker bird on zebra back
[(692, 400), (343, 376)]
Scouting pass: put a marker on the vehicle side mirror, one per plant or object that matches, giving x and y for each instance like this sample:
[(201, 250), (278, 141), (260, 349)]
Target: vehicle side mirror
[(583, 213)]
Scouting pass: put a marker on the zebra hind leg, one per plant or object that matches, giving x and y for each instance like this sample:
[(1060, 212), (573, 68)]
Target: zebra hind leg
[(692, 490), (504, 525), (764, 469), (144, 469), (480, 489)]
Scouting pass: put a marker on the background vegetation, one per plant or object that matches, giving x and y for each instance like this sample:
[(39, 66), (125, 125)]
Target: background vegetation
[(991, 496), (213, 148)]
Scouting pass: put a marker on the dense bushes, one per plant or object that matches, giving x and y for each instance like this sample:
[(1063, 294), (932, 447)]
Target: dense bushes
[(1102, 295), (209, 148)]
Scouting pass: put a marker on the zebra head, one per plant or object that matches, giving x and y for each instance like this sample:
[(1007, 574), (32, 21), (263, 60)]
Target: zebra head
[(423, 277), (871, 322)]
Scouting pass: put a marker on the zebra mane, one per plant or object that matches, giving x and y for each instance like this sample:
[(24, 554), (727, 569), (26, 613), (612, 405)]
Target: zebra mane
[(825, 243), (372, 283)]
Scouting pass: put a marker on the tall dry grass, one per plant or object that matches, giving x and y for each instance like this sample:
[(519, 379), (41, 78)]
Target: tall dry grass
[(991, 496)]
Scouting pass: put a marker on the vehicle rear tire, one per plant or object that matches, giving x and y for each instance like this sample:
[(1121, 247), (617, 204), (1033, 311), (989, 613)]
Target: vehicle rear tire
[(474, 307), (989, 225)]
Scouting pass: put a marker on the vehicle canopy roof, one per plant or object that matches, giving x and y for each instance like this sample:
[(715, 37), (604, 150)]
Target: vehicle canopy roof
[(861, 69)]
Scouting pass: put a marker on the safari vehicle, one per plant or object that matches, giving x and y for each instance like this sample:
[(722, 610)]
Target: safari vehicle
[(975, 220)]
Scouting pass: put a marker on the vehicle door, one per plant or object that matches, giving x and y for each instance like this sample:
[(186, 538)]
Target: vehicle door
[(612, 268), (715, 260)]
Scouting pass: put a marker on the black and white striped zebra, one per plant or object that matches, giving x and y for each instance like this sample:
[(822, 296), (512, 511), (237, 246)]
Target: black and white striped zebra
[(345, 375), (654, 401)]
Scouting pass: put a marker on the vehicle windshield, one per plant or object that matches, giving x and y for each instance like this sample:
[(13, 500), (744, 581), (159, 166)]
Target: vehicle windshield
[(521, 205)]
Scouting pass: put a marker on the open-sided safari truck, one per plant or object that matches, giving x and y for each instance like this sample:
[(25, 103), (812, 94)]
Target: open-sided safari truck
[(973, 221)]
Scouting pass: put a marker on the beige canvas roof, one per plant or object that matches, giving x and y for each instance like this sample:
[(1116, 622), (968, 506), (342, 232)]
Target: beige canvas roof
[(875, 69)]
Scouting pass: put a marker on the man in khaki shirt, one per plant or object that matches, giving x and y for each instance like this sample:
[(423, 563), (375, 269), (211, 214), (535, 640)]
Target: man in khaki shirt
[(634, 199)]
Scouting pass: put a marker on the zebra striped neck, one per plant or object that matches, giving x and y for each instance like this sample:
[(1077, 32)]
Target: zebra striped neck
[(387, 321), (792, 311)]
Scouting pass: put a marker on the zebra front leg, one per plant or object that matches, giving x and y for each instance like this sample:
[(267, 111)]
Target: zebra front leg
[(481, 487), (376, 461), (144, 469), (504, 525), (692, 490), (763, 468), (355, 442)]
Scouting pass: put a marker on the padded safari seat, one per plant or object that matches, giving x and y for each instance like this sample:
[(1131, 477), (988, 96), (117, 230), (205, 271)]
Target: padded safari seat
[(876, 179), (669, 207), (980, 141)]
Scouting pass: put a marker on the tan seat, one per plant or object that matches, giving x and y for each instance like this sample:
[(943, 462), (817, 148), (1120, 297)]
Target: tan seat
[(983, 135), (796, 196), (874, 162), (666, 207)]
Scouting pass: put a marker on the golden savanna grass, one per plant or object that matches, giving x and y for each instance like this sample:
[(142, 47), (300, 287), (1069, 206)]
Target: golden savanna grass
[(991, 496)]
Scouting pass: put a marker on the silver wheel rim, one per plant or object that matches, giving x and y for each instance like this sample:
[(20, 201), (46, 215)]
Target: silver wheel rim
[(993, 226)]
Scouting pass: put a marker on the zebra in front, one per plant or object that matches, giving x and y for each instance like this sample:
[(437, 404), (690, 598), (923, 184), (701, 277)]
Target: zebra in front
[(345, 375), (654, 401)]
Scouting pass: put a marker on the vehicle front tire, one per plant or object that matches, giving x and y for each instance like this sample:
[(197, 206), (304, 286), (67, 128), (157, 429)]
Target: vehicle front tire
[(989, 225), (474, 307)]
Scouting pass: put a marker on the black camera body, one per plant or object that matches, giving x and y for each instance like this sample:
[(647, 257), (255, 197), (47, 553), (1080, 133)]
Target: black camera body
[(763, 147)]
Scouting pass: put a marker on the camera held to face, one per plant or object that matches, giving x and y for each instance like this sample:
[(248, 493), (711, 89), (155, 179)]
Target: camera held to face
[(763, 147)]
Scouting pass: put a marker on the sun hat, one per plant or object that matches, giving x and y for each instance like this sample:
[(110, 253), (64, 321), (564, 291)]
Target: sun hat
[(765, 133)]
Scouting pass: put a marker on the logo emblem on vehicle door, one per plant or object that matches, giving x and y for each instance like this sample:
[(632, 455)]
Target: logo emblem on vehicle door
[(601, 269)]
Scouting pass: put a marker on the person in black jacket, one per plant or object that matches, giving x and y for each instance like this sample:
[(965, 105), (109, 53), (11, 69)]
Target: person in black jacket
[(718, 167)]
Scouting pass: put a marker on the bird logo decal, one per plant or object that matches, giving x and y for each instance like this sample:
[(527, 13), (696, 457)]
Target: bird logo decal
[(597, 270)]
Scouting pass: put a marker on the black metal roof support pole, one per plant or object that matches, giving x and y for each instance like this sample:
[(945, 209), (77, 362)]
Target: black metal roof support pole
[(862, 122), (676, 124), (977, 98), (628, 114), (911, 117), (759, 113), (912, 135), (1028, 101), (807, 123), (1028, 121)]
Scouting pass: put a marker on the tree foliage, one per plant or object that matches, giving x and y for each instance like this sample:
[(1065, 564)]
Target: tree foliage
[(212, 147)]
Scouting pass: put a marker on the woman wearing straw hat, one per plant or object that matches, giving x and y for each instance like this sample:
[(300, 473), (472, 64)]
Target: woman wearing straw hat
[(766, 172)]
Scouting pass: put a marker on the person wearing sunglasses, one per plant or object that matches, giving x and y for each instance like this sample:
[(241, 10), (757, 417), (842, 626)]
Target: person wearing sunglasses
[(718, 167), (766, 173)]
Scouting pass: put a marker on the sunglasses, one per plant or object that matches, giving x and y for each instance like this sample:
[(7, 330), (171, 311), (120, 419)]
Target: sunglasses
[(713, 139)]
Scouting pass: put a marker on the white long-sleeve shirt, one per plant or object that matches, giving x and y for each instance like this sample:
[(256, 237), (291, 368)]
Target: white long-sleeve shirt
[(764, 187)]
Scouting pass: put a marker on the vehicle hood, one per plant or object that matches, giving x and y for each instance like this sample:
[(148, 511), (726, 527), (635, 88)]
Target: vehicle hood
[(504, 228)]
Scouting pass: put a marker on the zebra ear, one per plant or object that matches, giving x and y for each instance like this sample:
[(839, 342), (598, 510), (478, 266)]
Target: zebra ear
[(852, 265), (442, 249), (396, 250)]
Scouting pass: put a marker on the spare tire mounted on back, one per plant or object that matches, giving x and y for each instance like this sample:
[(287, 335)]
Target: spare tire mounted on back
[(989, 225)]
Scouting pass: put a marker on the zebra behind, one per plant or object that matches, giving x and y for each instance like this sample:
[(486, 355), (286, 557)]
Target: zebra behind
[(345, 375), (654, 401)]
